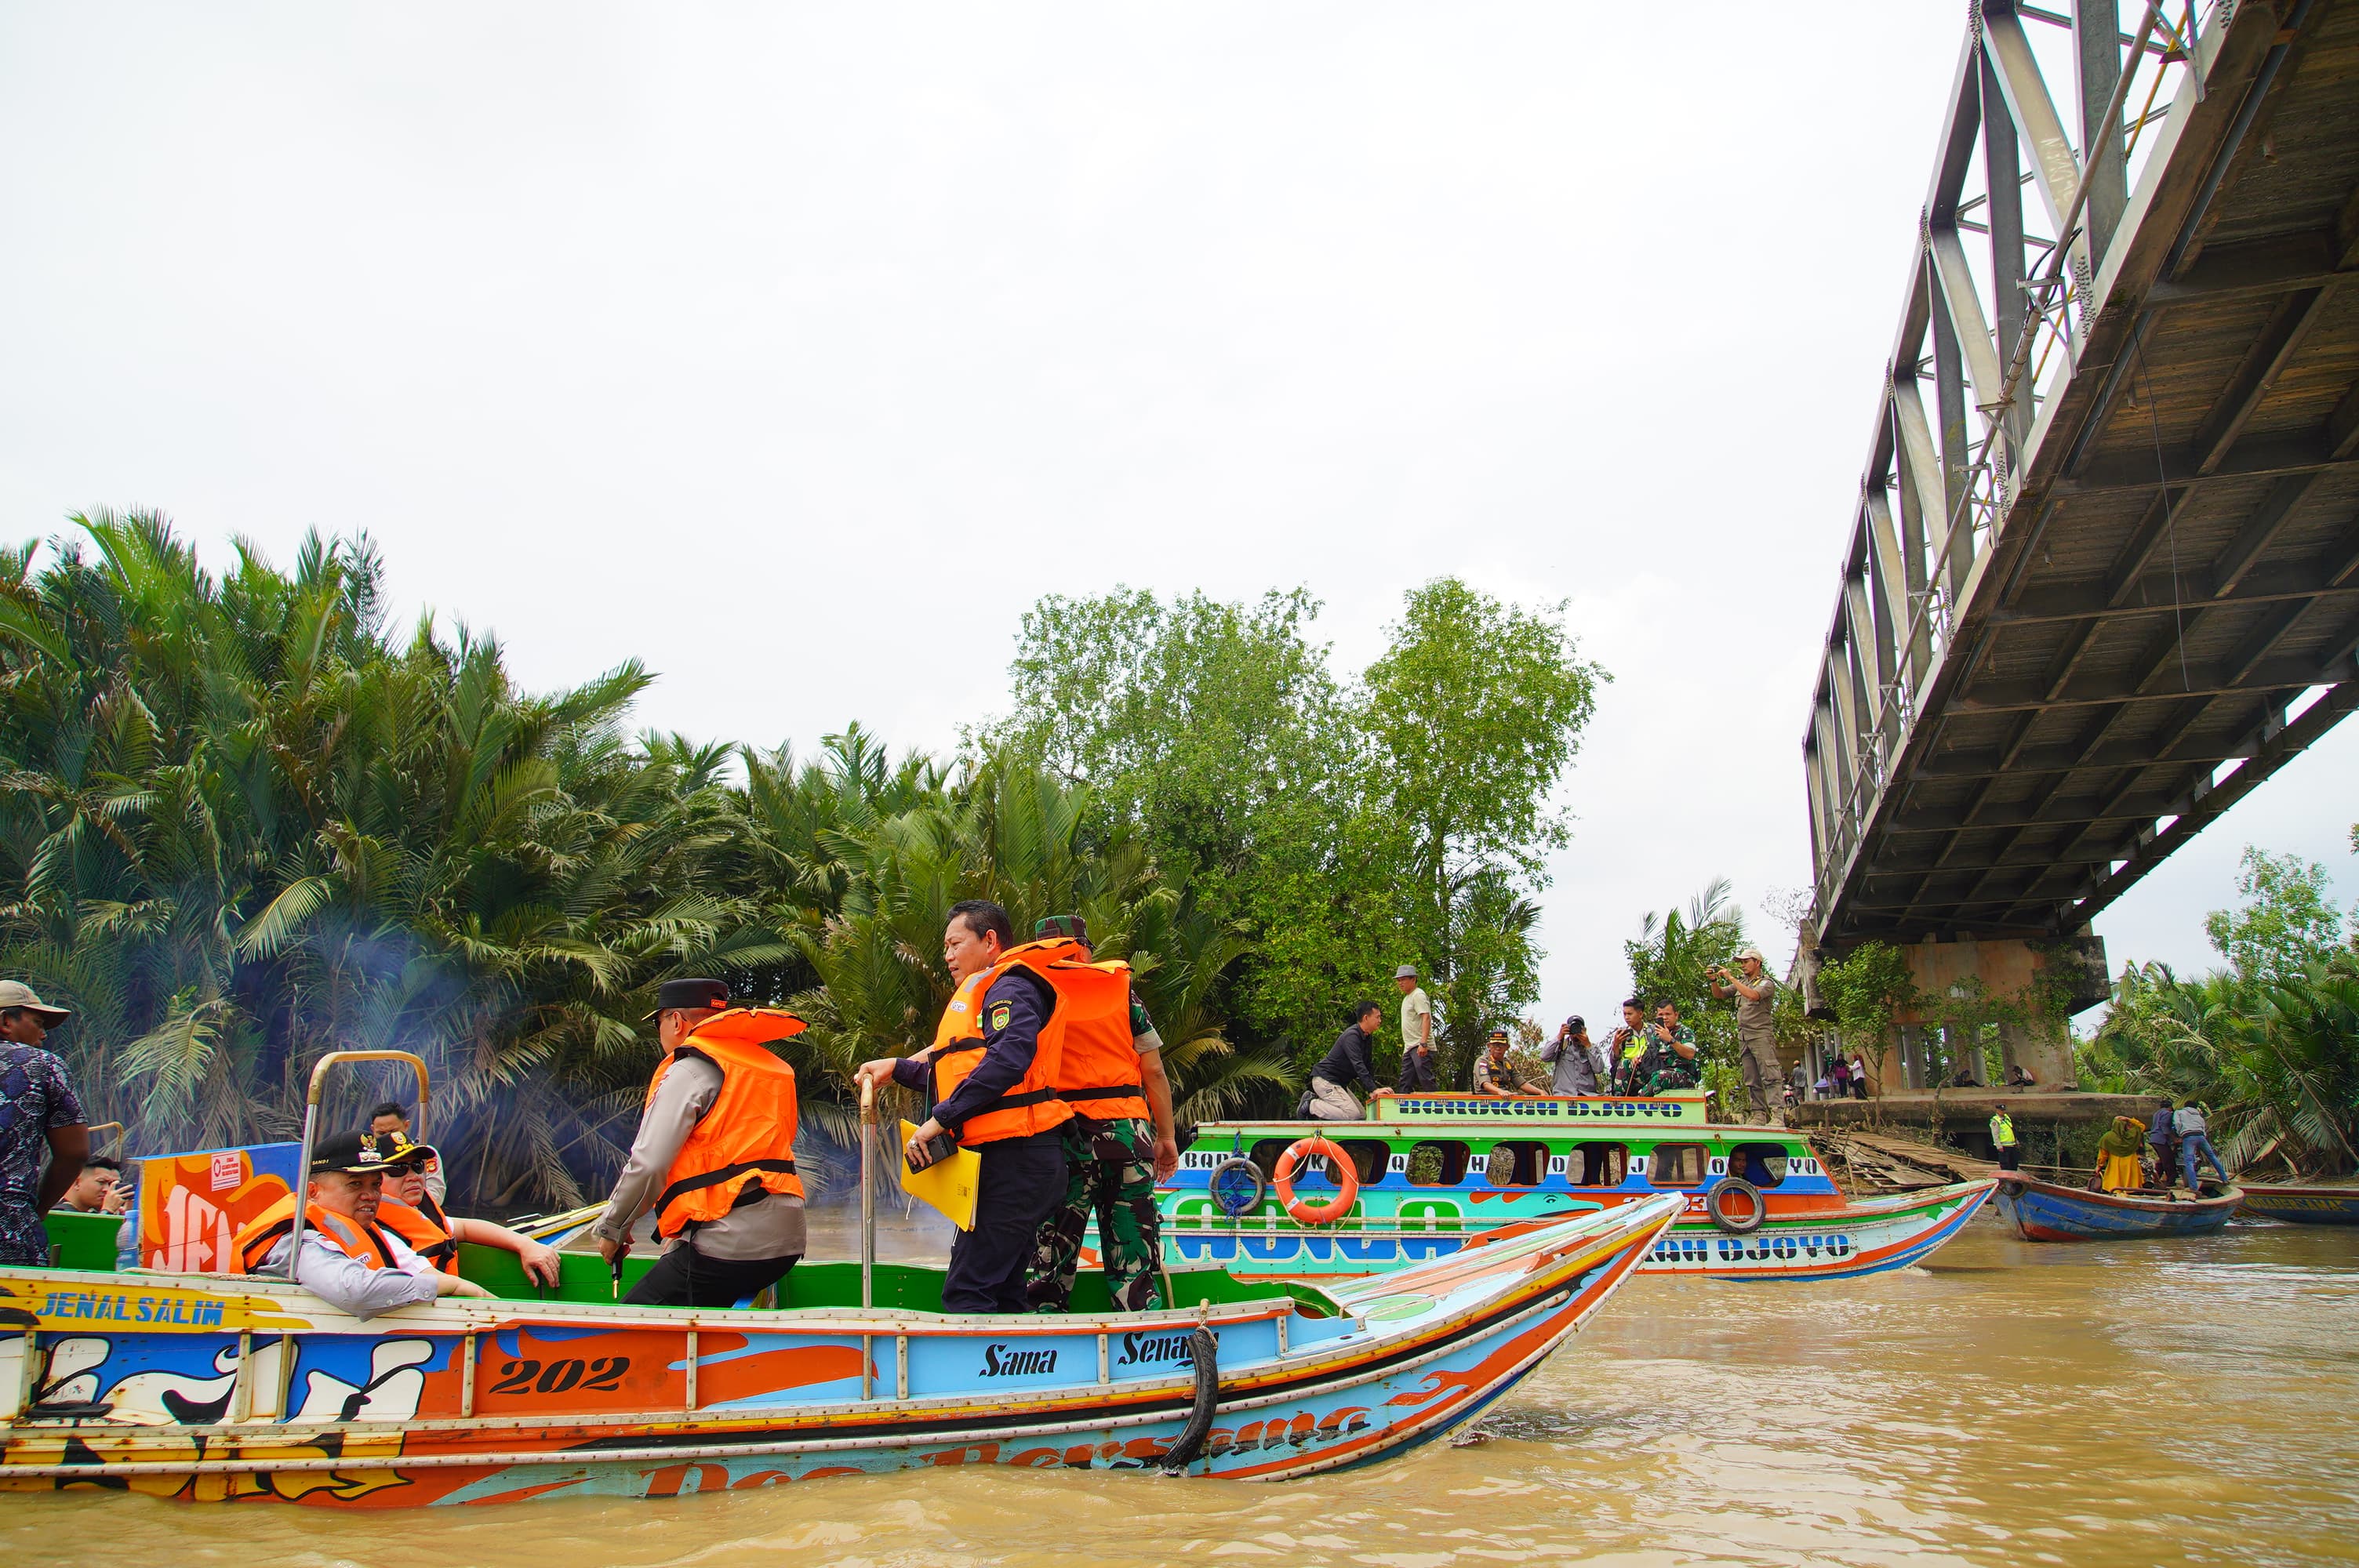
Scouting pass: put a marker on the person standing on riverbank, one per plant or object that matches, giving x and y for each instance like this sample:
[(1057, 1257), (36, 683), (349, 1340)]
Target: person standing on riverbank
[(2002, 1131), (39, 1117)]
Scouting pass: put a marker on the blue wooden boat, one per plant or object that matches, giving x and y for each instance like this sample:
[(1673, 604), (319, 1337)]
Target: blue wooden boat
[(2304, 1206), (2043, 1211)]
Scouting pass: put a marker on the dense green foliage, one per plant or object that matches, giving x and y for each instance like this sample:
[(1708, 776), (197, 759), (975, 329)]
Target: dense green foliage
[(1344, 829), (242, 825), (2270, 1042)]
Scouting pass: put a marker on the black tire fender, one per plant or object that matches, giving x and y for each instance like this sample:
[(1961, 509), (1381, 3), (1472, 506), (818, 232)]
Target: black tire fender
[(1714, 1206), (1233, 1163), (1204, 1350)]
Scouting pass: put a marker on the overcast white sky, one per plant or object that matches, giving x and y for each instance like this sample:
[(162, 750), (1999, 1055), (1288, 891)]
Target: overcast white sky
[(796, 350)]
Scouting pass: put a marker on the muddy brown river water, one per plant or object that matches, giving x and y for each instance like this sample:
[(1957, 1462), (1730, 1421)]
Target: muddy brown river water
[(2128, 1403)]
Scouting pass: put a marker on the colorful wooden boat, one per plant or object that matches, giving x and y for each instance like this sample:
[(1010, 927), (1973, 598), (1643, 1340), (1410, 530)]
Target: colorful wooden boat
[(2044, 1211), (1434, 1172), (211, 1387), (2304, 1206)]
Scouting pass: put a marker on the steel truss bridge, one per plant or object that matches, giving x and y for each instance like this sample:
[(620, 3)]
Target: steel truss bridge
[(2102, 575)]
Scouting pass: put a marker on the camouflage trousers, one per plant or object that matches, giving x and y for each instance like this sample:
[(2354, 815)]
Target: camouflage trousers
[(1109, 1172)]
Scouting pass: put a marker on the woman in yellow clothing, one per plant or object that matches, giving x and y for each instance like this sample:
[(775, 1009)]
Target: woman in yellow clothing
[(2120, 1156)]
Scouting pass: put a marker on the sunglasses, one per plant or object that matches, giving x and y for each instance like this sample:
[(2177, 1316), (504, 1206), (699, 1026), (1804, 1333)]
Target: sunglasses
[(405, 1168)]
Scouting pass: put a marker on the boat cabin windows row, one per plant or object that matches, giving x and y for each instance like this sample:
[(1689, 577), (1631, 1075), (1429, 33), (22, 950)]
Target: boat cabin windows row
[(1516, 1163)]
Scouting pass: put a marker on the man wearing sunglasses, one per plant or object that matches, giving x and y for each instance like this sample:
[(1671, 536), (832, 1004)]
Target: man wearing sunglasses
[(409, 1210)]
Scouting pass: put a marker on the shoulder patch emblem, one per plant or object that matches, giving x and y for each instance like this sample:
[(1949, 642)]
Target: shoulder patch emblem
[(999, 1015)]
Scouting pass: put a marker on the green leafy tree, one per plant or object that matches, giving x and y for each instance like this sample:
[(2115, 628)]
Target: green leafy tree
[(1476, 709), (1216, 733), (2286, 922)]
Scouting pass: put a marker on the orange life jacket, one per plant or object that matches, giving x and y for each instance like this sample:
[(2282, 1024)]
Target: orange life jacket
[(1097, 1071), (747, 1137), (256, 1237), (426, 1227), (1031, 1106)]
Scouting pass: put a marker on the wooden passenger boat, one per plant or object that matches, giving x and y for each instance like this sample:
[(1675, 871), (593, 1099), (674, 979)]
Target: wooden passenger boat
[(1430, 1173), (2304, 1206), (210, 1386), (202, 1386), (2044, 1211)]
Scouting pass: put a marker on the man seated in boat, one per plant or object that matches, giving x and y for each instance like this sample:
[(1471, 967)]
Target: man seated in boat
[(409, 1210), (343, 1256), (1496, 1077)]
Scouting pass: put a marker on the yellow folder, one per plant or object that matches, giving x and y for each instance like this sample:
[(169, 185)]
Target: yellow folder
[(947, 1185)]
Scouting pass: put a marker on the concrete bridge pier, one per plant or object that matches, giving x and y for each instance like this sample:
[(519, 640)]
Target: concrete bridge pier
[(2041, 984)]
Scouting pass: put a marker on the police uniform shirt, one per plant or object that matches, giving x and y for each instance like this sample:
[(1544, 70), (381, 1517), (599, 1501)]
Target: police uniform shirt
[(1014, 1010)]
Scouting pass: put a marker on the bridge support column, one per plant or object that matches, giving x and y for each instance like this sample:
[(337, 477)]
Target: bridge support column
[(2006, 970)]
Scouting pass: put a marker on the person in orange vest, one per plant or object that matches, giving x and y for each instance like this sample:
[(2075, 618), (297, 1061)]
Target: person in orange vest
[(991, 1071), (345, 1258), (410, 1211), (1120, 1141), (714, 1159)]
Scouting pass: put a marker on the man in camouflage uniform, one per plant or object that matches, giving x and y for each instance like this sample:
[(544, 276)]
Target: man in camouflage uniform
[(1110, 1169)]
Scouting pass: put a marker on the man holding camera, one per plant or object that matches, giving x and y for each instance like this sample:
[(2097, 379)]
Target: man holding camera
[(1670, 1062), (1756, 1036)]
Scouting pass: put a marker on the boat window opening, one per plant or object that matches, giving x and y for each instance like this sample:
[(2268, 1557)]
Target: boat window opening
[(1679, 1165), (1597, 1164), (1367, 1159), (1516, 1164), (1763, 1164), (1441, 1163)]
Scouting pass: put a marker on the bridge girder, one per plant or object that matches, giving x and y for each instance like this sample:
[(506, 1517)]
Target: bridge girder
[(2102, 575)]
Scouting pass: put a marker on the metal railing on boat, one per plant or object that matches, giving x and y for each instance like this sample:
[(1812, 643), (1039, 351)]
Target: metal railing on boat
[(311, 1123)]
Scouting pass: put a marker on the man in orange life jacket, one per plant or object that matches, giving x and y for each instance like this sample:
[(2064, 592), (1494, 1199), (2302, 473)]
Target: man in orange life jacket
[(991, 1071), (410, 1211), (347, 1259), (1120, 1141), (715, 1158)]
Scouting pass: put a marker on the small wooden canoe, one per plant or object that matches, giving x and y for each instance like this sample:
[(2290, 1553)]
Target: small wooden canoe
[(2043, 1211), (2304, 1206)]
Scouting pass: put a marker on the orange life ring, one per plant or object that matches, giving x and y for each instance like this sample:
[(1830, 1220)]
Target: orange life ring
[(1304, 1213)]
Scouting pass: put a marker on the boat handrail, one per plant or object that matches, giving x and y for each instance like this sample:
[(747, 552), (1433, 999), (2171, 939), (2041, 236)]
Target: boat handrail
[(311, 1125)]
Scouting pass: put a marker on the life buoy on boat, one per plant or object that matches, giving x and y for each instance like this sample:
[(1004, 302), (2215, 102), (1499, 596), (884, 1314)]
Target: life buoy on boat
[(1715, 1204), (1302, 1211)]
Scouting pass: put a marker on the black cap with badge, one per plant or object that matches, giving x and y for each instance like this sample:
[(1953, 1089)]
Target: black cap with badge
[(356, 1153), (689, 996)]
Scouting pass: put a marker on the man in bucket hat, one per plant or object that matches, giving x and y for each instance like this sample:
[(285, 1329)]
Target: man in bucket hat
[(1416, 1015), (40, 1119)]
